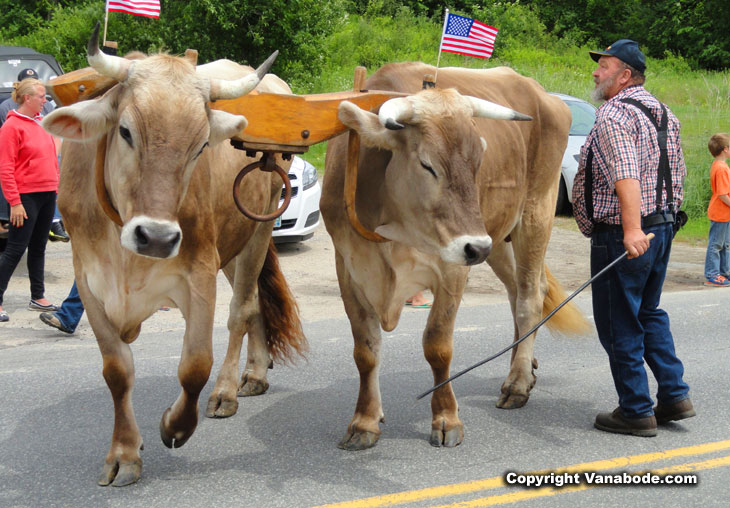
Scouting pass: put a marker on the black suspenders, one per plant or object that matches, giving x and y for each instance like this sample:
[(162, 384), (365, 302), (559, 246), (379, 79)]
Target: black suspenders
[(664, 172)]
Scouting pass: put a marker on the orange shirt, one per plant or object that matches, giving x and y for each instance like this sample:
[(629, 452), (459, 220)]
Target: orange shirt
[(720, 180)]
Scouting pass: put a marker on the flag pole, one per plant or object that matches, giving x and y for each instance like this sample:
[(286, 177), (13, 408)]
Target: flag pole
[(443, 32), (106, 20)]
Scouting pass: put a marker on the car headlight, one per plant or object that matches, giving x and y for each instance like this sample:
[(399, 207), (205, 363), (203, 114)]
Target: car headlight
[(309, 176)]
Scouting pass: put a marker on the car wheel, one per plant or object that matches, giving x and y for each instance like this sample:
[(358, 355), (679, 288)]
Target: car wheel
[(563, 207)]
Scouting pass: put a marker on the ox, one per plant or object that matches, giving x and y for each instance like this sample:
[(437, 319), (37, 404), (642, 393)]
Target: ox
[(157, 146), (450, 183)]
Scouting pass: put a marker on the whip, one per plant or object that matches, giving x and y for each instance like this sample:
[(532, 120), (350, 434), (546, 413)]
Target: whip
[(534, 328)]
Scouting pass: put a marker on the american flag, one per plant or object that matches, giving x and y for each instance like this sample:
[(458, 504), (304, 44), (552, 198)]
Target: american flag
[(147, 8), (468, 36)]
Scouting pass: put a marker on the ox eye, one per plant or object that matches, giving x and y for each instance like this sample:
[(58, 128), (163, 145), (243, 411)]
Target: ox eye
[(201, 150), (428, 168), (126, 135)]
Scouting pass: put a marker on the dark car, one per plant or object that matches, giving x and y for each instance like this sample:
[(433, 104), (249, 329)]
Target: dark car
[(14, 59)]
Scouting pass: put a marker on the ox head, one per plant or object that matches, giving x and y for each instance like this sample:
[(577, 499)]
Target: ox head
[(156, 123), (431, 199)]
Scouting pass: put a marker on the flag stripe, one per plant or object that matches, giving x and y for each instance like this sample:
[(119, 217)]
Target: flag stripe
[(147, 8)]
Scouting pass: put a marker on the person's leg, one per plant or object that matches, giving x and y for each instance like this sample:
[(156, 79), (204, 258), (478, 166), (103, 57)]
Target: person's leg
[(616, 302), (659, 350), (714, 244), (71, 310), (725, 251), (46, 204), (18, 240)]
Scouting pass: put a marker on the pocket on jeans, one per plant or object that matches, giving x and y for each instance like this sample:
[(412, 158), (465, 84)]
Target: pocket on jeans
[(635, 265)]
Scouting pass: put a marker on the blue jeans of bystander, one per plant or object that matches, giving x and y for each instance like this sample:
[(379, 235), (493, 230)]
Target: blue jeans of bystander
[(630, 325), (717, 259), (71, 309)]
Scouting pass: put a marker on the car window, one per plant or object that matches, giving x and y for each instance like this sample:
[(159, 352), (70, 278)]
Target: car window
[(11, 67), (584, 116)]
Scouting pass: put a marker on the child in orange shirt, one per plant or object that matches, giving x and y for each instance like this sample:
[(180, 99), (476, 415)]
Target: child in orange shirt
[(717, 260)]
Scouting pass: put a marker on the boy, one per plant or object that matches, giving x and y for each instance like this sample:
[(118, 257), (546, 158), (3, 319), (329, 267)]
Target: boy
[(717, 260)]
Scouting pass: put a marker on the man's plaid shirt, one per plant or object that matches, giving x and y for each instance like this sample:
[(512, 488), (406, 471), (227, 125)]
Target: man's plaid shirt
[(625, 146)]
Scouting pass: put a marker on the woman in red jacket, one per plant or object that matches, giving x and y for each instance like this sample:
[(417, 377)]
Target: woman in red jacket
[(29, 180)]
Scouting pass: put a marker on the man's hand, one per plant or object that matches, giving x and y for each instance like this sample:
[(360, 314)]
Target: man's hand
[(635, 242), (17, 215)]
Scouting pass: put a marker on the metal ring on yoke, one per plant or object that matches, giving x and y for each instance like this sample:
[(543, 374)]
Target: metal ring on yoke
[(266, 163)]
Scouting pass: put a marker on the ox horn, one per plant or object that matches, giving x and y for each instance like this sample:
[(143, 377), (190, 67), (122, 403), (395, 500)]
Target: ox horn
[(395, 111), (106, 65), (221, 89), (486, 109)]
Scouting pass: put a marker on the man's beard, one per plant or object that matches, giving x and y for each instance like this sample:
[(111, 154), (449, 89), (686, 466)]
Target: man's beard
[(598, 94)]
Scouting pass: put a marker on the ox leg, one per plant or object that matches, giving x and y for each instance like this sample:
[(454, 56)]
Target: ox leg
[(364, 428), (530, 245), (438, 345), (123, 463), (179, 420), (243, 316)]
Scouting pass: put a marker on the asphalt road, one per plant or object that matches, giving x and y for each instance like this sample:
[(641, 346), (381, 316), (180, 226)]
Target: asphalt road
[(280, 449)]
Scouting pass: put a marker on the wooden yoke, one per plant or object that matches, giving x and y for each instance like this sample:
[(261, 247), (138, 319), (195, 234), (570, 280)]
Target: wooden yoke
[(353, 154), (278, 123)]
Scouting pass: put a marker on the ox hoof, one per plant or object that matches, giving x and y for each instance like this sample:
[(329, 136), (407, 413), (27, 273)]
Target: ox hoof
[(250, 386), (119, 475), (358, 441), (448, 439), (512, 401), (170, 438), (219, 407)]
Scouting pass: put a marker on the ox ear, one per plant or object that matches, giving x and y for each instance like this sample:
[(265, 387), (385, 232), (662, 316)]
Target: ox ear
[(82, 121), (368, 125), (224, 125)]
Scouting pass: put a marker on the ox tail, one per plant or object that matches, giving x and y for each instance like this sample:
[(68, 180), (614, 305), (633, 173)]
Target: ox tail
[(569, 320), (284, 335)]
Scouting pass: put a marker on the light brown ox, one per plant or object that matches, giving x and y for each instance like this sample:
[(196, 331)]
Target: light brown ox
[(427, 183), (169, 174)]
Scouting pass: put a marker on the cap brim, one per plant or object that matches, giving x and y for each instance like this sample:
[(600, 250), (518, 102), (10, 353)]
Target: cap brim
[(595, 55)]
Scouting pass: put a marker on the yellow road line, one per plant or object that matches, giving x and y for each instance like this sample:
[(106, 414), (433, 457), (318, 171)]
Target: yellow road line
[(551, 491), (498, 481)]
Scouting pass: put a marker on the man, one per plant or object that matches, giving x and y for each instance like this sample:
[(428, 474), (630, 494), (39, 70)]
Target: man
[(57, 232), (615, 203)]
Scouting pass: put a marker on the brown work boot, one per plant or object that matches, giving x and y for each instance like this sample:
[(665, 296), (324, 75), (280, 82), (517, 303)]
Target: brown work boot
[(672, 412), (617, 423)]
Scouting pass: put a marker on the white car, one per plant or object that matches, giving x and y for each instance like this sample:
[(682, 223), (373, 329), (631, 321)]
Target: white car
[(301, 218), (584, 116)]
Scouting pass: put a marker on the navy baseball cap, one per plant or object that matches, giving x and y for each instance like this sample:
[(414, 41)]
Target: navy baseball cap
[(27, 73), (625, 50)]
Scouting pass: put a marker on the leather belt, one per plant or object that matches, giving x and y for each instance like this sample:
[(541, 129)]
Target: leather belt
[(646, 221)]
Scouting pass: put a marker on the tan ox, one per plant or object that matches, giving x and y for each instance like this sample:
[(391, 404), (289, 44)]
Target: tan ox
[(427, 183), (169, 175)]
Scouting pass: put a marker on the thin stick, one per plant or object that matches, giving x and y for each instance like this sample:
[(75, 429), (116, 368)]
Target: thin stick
[(441, 44), (534, 328), (106, 20)]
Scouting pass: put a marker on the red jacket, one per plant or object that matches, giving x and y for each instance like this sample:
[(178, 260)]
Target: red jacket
[(28, 161)]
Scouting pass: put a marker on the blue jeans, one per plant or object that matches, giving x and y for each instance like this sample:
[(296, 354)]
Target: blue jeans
[(630, 325), (717, 260), (71, 309)]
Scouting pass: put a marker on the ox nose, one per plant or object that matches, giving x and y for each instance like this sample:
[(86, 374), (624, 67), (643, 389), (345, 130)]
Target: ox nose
[(152, 242), (152, 237), (475, 253)]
